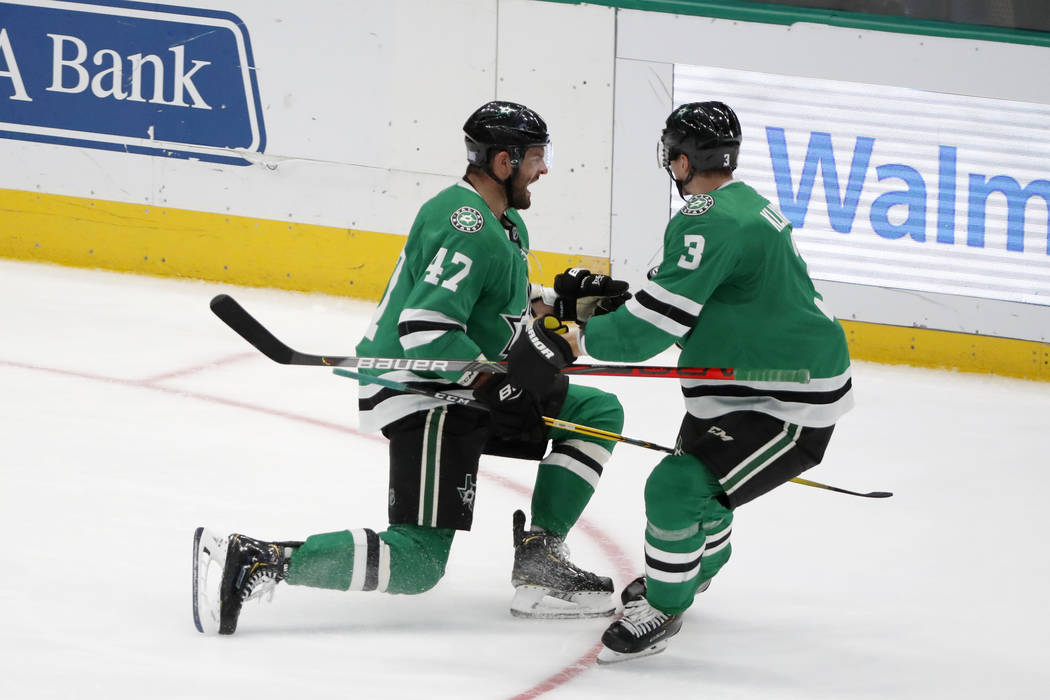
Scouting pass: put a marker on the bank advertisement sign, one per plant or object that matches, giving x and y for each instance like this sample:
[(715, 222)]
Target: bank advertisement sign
[(129, 76), (895, 187)]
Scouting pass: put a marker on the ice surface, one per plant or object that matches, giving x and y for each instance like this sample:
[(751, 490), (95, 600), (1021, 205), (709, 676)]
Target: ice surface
[(130, 415)]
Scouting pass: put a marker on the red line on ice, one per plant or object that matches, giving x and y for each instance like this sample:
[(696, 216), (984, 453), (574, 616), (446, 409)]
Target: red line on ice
[(626, 569)]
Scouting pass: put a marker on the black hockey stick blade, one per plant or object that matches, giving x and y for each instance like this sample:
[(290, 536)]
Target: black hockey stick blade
[(233, 315), (816, 484)]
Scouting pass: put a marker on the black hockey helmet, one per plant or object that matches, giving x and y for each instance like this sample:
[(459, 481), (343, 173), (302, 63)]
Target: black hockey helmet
[(504, 126), (707, 132)]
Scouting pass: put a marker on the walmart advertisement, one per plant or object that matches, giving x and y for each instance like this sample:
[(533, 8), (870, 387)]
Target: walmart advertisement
[(896, 187)]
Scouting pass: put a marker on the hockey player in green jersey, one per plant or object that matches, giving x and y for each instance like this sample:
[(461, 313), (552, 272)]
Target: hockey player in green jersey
[(731, 291), (460, 290)]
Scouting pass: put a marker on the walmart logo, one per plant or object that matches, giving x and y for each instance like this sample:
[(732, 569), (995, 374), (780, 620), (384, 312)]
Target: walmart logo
[(959, 202)]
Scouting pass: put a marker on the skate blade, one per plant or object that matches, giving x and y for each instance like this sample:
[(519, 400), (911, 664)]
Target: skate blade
[(607, 656), (209, 559), (541, 603)]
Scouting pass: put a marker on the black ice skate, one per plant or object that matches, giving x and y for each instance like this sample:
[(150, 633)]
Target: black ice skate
[(548, 585), (642, 631), (228, 571)]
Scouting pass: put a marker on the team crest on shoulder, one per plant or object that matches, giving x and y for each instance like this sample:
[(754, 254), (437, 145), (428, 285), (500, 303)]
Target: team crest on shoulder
[(467, 220), (698, 204)]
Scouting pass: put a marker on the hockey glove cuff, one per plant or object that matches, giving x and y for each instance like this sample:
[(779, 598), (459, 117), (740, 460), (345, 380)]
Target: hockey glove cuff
[(536, 356)]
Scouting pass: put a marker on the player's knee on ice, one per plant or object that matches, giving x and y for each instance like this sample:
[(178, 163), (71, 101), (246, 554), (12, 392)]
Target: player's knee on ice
[(417, 557)]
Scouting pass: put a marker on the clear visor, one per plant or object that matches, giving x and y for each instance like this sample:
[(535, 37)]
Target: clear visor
[(663, 151), (548, 153)]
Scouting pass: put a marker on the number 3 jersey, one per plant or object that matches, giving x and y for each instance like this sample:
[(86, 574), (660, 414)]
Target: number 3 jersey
[(732, 291), (460, 290)]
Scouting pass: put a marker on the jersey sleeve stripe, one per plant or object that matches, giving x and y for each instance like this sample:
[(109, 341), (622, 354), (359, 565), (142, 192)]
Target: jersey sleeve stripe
[(676, 314), (690, 308), (430, 315), (639, 306), (413, 339), (417, 327)]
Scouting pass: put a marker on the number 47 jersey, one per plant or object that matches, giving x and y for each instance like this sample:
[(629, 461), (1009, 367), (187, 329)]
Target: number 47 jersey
[(732, 291), (460, 290)]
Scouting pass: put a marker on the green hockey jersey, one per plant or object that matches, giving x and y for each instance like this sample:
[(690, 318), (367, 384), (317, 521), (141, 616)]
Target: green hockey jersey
[(732, 291), (460, 290)]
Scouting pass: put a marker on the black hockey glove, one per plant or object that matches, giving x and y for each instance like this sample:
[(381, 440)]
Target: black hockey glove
[(538, 353), (582, 294), (515, 413), (533, 362)]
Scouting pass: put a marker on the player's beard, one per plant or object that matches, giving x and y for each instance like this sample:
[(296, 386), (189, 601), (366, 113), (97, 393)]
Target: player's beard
[(518, 195)]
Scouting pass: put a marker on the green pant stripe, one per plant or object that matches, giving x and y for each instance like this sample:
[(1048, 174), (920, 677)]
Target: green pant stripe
[(430, 469), (760, 458)]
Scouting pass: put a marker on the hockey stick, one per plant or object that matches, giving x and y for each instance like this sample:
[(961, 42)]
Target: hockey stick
[(236, 317), (565, 425)]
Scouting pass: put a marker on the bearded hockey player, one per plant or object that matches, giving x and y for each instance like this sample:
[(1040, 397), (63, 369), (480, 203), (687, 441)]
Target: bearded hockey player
[(460, 290)]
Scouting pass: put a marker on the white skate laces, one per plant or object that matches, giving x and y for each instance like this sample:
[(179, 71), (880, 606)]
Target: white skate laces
[(261, 582), (640, 618)]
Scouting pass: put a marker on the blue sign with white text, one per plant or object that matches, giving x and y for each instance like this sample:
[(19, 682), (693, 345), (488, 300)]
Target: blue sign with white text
[(129, 76)]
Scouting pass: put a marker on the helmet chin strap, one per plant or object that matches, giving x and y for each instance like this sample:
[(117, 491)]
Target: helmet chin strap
[(680, 184), (507, 184)]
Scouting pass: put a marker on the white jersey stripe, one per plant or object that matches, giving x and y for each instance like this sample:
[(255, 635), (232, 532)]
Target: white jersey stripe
[(414, 340), (424, 471), (427, 315), (667, 325), (673, 557), (592, 449), (671, 576), (708, 551), (684, 303), (795, 431), (437, 468), (800, 413), (557, 459), (357, 574), (384, 566), (755, 455)]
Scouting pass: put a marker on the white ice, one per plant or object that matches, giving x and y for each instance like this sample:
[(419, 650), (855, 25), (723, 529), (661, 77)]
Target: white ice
[(130, 415)]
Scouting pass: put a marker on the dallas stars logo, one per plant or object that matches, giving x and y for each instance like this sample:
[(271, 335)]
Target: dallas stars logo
[(467, 220), (466, 492), (517, 327), (698, 205)]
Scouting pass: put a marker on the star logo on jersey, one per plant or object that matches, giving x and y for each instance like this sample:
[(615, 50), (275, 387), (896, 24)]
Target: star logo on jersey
[(467, 220), (698, 204), (466, 492), (517, 327)]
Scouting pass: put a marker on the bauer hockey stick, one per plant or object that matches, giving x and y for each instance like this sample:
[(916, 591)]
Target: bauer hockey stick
[(565, 425), (248, 327)]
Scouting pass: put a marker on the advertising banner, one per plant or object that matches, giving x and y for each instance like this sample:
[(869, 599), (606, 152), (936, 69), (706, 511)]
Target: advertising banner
[(131, 77), (896, 187)]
